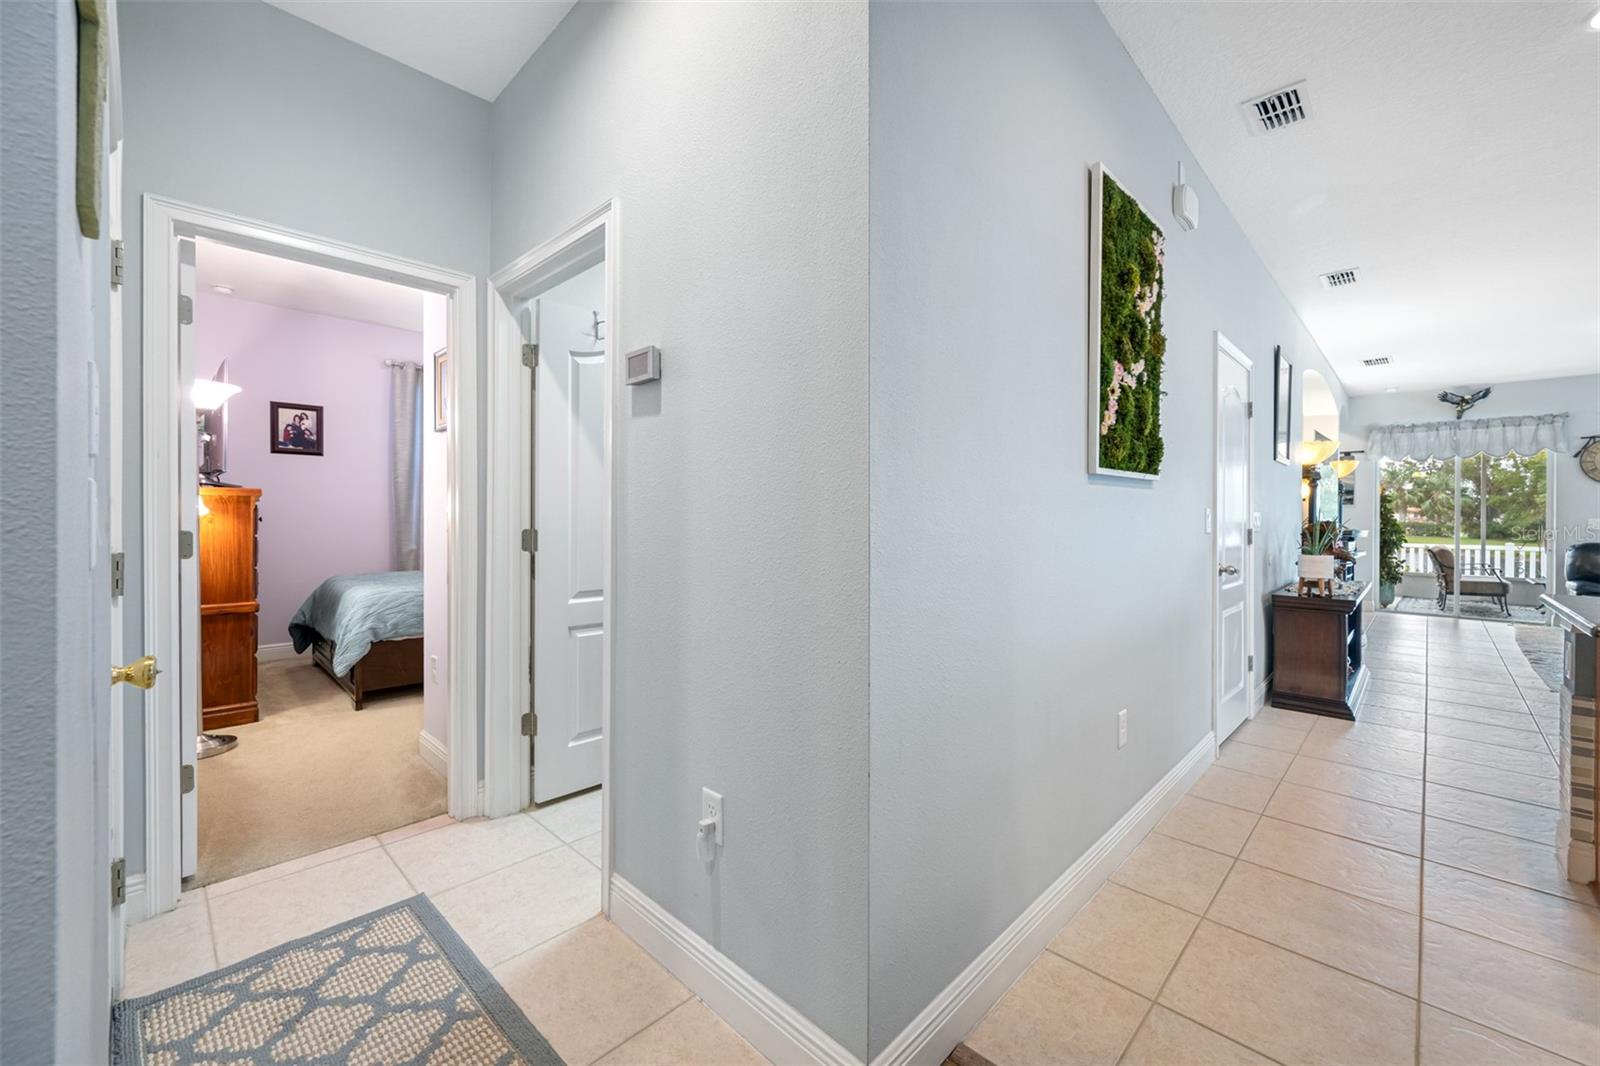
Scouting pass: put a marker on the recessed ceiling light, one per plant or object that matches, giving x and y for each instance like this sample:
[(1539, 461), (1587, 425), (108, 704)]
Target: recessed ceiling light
[(1392, 388), (226, 290), (1594, 22)]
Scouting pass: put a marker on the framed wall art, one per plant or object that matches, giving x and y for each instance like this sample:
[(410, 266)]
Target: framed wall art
[(1127, 347)]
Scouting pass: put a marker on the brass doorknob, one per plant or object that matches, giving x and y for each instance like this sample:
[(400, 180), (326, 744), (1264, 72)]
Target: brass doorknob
[(141, 673)]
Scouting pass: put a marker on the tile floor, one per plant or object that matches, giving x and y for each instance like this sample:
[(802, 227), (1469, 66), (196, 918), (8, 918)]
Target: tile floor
[(522, 891), (1382, 891)]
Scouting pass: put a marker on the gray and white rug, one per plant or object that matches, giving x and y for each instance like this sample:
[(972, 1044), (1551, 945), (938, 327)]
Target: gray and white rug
[(1481, 610), (394, 986), (1545, 651)]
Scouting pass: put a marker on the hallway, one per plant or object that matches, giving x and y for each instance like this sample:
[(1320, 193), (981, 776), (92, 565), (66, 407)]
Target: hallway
[(1384, 891)]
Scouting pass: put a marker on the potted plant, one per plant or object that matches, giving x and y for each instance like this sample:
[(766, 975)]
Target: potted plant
[(1391, 550), (1318, 543)]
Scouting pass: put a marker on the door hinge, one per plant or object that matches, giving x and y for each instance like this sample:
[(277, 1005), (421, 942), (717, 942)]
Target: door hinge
[(1250, 664), (186, 778), (530, 540), (186, 310), (530, 356), (119, 882), (530, 724), (1249, 536), (185, 544), (1250, 409), (119, 264), (119, 573)]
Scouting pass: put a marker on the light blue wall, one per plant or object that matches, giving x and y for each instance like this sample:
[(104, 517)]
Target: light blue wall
[(54, 592), (1016, 605), (246, 109), (734, 137)]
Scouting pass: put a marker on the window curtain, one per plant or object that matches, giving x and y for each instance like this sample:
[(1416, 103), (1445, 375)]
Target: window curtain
[(1526, 435), (405, 395)]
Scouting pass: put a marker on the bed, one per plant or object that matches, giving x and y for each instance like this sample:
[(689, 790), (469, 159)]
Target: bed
[(364, 630)]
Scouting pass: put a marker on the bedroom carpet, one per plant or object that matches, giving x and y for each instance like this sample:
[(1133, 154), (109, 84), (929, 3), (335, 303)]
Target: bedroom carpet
[(312, 774)]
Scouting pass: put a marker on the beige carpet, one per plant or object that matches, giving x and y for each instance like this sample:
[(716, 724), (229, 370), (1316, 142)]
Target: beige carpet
[(312, 774)]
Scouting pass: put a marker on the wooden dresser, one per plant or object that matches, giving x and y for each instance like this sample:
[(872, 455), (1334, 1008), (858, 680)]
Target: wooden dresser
[(229, 606), (1316, 652)]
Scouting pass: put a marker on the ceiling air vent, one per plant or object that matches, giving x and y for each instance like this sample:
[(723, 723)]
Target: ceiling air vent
[(1382, 360), (1276, 110), (1341, 279)]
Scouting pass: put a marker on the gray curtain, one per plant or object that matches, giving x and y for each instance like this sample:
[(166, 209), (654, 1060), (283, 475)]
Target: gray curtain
[(405, 394)]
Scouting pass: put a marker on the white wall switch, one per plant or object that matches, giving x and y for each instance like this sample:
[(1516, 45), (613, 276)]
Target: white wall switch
[(711, 816), (1255, 519), (1208, 520), (433, 668), (1122, 728)]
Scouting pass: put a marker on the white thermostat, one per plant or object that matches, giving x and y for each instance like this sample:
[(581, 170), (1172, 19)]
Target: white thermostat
[(643, 365)]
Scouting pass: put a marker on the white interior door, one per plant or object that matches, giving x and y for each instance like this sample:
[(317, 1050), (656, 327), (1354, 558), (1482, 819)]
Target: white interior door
[(1233, 620), (569, 512), (188, 565)]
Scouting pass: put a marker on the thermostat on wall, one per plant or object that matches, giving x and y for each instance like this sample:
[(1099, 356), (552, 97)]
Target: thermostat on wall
[(642, 366)]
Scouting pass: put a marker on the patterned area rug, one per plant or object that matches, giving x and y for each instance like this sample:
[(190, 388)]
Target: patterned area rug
[(393, 986), (1546, 652), (1471, 608)]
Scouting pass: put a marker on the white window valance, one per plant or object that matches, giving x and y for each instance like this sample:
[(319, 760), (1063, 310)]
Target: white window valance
[(1525, 435)]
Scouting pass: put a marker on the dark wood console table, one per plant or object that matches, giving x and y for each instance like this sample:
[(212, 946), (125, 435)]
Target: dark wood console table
[(1316, 663)]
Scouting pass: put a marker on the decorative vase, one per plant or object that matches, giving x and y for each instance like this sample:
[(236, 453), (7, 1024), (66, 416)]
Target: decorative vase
[(1385, 594), (1317, 567)]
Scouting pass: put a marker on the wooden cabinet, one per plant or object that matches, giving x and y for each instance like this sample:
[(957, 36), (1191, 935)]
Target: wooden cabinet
[(1316, 660), (229, 606)]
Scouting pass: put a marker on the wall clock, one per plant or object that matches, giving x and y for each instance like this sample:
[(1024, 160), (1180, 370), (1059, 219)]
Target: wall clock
[(1589, 457)]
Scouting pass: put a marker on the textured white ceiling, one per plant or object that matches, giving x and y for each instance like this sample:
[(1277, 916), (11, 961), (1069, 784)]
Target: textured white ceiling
[(1452, 154), (475, 45), (267, 279)]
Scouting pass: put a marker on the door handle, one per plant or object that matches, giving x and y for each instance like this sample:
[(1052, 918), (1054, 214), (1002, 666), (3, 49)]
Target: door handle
[(1227, 568), (141, 673)]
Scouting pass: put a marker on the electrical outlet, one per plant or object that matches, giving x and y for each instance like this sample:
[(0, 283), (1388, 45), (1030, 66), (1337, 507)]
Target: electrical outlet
[(711, 816), (1122, 728)]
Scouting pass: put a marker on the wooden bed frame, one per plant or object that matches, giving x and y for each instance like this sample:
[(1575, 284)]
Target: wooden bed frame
[(387, 664)]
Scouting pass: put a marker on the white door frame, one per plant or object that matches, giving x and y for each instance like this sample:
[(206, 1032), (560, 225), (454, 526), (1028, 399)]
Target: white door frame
[(165, 222), (1225, 348), (507, 618)]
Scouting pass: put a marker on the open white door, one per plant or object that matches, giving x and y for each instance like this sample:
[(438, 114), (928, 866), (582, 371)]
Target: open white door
[(188, 567), (1233, 622), (570, 492)]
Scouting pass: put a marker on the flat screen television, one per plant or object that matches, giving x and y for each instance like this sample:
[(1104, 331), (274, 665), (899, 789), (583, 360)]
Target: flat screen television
[(212, 436)]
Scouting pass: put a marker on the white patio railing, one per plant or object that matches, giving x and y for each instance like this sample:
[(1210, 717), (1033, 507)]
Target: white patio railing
[(1530, 561)]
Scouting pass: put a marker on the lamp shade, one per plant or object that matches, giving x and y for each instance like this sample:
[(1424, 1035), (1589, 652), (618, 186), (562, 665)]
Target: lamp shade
[(1343, 468), (1316, 451), (210, 395)]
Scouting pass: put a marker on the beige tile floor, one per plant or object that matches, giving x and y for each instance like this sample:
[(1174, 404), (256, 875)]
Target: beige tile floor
[(1383, 891), (522, 891)]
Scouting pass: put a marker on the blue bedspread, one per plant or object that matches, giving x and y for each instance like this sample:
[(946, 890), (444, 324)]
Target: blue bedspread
[(356, 610)]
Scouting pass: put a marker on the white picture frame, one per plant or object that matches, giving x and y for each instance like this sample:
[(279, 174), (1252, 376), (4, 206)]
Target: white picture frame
[(1097, 175)]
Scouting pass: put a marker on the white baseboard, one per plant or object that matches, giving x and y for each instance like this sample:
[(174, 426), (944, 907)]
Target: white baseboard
[(776, 1029), (135, 900), (1261, 694), (962, 1005), (267, 653), (434, 753)]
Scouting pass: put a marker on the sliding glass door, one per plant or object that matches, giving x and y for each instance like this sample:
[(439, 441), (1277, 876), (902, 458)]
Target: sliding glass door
[(1476, 541)]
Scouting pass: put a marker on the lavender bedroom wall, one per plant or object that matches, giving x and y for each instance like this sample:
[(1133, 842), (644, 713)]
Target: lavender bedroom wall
[(321, 515)]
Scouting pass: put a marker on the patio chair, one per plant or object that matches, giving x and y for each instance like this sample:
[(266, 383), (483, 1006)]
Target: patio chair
[(1486, 582)]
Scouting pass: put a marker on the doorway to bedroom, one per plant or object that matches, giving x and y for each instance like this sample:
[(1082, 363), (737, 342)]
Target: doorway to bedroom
[(320, 609)]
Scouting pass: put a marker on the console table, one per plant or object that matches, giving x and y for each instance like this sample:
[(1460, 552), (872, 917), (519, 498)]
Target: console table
[(1316, 663)]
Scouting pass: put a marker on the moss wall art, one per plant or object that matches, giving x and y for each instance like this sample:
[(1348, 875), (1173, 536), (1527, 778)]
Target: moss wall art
[(1132, 345)]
